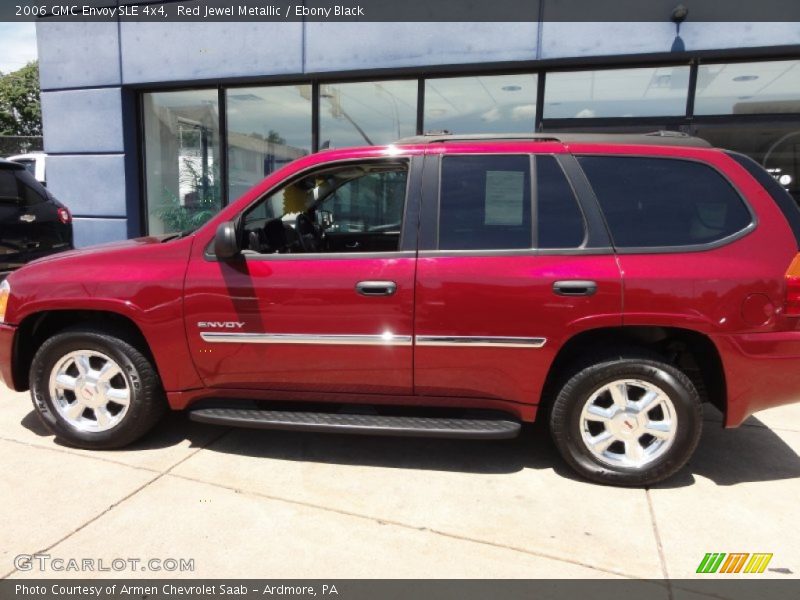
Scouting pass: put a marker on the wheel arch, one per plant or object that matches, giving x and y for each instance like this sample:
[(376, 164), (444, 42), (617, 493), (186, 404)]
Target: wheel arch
[(689, 350), (37, 327)]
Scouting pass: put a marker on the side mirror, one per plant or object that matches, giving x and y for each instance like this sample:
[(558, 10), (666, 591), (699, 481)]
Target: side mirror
[(226, 242)]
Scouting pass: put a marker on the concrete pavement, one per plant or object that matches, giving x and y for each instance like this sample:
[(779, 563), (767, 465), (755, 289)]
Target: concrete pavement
[(244, 503)]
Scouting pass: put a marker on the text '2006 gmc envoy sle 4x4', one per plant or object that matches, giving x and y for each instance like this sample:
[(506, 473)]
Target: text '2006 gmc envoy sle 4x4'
[(453, 286)]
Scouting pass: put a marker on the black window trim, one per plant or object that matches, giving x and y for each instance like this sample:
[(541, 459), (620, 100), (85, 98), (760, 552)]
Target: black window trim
[(584, 220), (729, 239), (408, 233)]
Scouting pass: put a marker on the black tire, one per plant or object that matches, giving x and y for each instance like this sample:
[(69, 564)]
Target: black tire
[(147, 400), (595, 372)]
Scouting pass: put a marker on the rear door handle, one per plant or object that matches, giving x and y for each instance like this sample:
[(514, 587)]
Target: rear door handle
[(376, 288), (575, 287)]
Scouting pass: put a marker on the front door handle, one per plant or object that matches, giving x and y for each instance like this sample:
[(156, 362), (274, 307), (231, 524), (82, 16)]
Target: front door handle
[(575, 287), (376, 288)]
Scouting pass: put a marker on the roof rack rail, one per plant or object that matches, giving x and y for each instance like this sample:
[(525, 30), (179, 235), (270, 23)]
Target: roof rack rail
[(664, 138)]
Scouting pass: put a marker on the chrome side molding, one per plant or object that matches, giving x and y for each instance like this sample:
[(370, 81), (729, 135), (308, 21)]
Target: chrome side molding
[(480, 341), (383, 339)]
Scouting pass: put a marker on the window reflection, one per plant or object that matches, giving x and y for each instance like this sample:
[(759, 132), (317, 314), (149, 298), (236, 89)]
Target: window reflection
[(181, 159), (748, 88), (367, 113), (775, 146), (644, 92), (268, 127), (500, 103)]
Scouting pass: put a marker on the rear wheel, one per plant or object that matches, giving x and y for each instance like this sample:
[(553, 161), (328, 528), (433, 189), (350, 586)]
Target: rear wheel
[(627, 419), (95, 390)]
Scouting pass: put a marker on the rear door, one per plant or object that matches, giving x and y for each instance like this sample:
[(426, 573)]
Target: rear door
[(511, 265)]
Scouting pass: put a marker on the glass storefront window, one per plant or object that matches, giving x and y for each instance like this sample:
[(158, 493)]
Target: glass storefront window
[(645, 92), (366, 113), (268, 127), (488, 104), (775, 146), (748, 88), (181, 139)]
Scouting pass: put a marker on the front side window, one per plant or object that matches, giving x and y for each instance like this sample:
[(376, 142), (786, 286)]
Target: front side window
[(348, 208), (657, 202), (485, 203)]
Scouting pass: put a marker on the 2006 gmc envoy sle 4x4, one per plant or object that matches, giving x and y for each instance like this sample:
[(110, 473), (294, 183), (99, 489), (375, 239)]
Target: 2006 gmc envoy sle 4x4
[(452, 286)]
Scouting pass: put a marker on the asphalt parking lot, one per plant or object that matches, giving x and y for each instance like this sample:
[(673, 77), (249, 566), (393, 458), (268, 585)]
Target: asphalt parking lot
[(244, 503)]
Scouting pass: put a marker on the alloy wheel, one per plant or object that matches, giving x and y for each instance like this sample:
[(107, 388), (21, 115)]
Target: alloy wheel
[(628, 423), (89, 390)]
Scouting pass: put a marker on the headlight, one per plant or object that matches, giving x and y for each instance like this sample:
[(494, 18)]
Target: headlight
[(5, 292)]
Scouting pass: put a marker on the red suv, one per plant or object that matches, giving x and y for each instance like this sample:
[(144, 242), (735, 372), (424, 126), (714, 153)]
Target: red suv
[(441, 286)]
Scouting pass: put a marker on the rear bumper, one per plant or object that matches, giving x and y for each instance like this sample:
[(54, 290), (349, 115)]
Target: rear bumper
[(762, 370), (7, 333)]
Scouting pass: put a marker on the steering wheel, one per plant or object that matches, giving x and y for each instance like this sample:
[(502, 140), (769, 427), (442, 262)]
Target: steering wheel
[(306, 227)]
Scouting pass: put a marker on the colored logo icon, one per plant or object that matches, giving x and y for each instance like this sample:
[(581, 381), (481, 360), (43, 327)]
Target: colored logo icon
[(736, 562)]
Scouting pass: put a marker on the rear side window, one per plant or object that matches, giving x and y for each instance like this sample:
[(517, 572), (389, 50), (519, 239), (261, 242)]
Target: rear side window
[(559, 218), (656, 202), (29, 165), (32, 190), (485, 203), (9, 188)]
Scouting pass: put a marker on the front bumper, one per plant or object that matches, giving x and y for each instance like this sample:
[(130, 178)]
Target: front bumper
[(7, 335), (762, 370)]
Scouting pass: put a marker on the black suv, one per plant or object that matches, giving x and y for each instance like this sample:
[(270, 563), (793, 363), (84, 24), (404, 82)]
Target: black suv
[(32, 222)]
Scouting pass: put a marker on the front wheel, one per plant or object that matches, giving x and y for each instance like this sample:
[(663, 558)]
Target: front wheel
[(627, 420), (95, 390)]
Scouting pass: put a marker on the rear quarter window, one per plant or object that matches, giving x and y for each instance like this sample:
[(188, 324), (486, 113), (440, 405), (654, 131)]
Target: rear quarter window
[(661, 203), (9, 188), (32, 191)]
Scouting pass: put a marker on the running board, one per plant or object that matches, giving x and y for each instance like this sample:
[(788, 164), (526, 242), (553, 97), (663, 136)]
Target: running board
[(487, 429)]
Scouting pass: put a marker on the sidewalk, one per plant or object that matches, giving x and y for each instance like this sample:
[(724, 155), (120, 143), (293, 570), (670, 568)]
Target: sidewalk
[(246, 503)]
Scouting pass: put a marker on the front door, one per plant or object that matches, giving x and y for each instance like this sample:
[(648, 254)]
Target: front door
[(512, 270), (321, 299)]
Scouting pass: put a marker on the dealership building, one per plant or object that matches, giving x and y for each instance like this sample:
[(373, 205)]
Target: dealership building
[(151, 127)]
